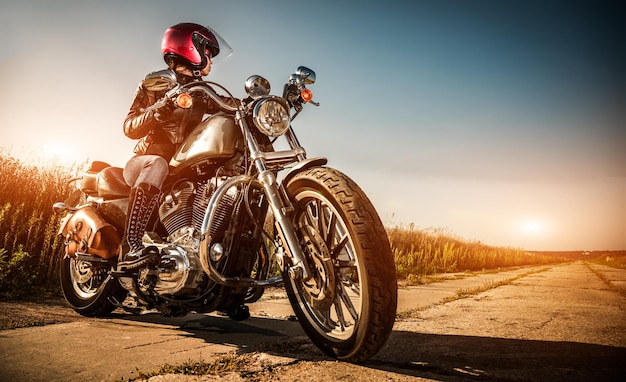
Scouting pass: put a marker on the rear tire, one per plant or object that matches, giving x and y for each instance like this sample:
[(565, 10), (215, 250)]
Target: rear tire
[(88, 289), (348, 307)]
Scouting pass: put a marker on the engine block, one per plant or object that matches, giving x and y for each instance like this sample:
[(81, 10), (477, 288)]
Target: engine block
[(179, 272), (182, 213)]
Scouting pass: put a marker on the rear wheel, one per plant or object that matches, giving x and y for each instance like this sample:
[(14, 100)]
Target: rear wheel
[(88, 289), (348, 306)]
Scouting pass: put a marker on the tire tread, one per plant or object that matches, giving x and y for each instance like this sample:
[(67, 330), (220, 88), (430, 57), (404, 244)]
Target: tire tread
[(376, 252)]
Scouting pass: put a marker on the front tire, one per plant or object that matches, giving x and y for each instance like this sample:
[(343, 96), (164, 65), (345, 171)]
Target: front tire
[(348, 306), (88, 289)]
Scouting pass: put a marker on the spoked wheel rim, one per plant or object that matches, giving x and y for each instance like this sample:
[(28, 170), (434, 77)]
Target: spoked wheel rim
[(86, 281), (331, 298)]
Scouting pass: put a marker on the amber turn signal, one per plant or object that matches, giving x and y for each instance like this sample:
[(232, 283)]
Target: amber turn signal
[(184, 100), (307, 95)]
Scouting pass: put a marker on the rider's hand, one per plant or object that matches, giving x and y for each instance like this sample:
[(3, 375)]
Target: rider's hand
[(163, 112)]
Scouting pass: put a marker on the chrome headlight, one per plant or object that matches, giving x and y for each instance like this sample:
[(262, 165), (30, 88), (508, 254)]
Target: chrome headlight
[(271, 116)]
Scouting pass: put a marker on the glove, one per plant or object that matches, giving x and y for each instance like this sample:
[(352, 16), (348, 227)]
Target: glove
[(163, 112)]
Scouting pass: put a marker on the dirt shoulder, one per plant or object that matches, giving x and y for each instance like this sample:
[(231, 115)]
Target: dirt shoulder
[(37, 312)]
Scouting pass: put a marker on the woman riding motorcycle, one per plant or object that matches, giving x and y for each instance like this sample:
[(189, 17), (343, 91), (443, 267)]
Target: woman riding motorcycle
[(188, 50), (214, 251)]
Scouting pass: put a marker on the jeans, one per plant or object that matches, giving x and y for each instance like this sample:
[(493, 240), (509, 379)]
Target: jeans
[(150, 169)]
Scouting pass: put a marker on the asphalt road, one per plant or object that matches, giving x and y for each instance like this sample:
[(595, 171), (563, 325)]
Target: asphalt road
[(564, 323)]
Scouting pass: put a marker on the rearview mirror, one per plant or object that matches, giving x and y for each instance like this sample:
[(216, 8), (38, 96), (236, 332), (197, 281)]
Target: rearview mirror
[(307, 75), (160, 81)]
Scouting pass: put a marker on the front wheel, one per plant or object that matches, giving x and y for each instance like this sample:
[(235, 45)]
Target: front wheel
[(88, 289), (348, 306)]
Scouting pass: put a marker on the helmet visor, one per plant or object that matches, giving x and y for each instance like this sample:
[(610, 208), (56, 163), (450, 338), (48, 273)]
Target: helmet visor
[(225, 50)]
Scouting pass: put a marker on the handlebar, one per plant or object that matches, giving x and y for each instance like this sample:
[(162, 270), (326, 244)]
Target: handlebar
[(214, 97), (171, 94)]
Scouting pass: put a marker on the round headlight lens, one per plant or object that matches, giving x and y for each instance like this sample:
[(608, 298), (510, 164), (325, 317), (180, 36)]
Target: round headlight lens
[(271, 116)]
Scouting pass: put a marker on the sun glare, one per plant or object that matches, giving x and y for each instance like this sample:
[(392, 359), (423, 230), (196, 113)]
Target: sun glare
[(533, 227), (55, 152)]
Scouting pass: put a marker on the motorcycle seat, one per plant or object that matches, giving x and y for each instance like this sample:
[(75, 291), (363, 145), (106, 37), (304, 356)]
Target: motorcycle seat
[(110, 183), (89, 184)]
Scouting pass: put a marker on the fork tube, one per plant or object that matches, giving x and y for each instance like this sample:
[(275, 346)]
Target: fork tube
[(283, 221), (294, 143)]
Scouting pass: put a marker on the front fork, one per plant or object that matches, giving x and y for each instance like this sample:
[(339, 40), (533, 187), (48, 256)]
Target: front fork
[(282, 215), (281, 207), (278, 202)]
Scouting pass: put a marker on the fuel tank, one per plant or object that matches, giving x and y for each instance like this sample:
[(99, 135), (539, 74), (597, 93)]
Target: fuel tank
[(214, 139)]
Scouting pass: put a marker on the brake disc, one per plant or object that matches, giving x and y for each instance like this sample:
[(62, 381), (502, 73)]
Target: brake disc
[(320, 288)]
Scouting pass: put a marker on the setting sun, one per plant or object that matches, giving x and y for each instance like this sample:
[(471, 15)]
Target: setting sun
[(49, 153), (533, 226), (53, 151)]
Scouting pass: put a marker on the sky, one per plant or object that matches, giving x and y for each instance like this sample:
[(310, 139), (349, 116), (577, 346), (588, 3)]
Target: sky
[(502, 122)]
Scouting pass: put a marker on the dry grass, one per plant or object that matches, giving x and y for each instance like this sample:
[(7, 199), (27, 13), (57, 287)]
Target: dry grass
[(29, 245), (614, 259), (418, 253)]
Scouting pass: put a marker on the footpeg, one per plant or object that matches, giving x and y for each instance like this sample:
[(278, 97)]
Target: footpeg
[(148, 256)]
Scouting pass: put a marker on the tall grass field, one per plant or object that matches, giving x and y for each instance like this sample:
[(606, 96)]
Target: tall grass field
[(30, 249), (426, 252)]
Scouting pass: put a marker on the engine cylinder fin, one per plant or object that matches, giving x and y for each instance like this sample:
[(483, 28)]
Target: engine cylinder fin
[(177, 209), (203, 194), (223, 211)]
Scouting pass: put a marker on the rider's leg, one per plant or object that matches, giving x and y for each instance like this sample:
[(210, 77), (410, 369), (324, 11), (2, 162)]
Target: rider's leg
[(145, 174)]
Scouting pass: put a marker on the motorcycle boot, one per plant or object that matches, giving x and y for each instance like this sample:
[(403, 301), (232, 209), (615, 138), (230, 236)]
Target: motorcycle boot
[(142, 205)]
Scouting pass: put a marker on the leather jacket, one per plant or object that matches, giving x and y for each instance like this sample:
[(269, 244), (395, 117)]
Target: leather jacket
[(162, 134)]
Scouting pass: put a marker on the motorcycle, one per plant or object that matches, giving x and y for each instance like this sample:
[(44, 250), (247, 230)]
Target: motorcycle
[(235, 217)]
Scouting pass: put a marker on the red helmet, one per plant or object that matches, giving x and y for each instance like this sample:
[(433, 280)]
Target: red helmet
[(186, 43)]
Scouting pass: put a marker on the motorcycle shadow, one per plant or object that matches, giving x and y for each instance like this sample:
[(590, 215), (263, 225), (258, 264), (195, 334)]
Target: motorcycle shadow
[(458, 357), (282, 336)]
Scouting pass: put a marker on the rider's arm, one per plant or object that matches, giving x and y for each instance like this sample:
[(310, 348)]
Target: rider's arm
[(139, 123)]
